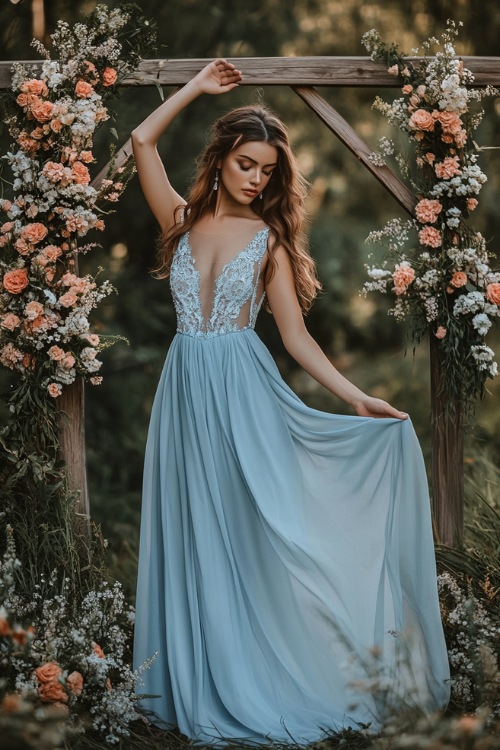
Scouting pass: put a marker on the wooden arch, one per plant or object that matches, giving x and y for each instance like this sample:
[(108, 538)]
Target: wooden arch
[(302, 74)]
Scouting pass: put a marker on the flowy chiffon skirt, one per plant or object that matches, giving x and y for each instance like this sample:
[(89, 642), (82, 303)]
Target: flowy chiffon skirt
[(287, 581)]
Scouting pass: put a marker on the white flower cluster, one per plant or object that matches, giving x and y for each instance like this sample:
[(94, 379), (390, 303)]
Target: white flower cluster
[(445, 283), (90, 640), (471, 635)]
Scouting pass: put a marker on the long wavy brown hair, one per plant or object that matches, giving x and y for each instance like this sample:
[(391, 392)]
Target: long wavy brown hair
[(281, 207)]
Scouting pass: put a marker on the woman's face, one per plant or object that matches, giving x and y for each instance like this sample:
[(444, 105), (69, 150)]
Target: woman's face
[(247, 169)]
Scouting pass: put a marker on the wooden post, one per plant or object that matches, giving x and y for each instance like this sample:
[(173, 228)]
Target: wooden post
[(447, 457), (72, 450)]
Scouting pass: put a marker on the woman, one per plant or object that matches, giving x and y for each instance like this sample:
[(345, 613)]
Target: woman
[(286, 555)]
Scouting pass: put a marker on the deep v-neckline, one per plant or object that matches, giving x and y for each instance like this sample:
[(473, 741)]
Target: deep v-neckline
[(228, 263)]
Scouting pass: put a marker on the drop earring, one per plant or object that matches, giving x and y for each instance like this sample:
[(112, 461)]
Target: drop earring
[(260, 195), (216, 183)]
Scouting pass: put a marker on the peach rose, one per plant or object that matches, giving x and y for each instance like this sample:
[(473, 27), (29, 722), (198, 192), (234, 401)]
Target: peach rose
[(86, 156), (458, 279), (67, 361), (92, 338), (69, 299), (80, 173), (48, 672), (22, 247), (75, 683), (407, 88), (109, 76), (50, 692), (54, 390), (447, 168), (98, 650), (7, 227), (10, 356), (31, 211), (430, 157), (471, 204), (42, 111), (49, 274), (441, 332), (25, 100), (34, 233), (83, 89), (10, 321), (34, 86), (52, 252), (56, 353), (393, 70), (96, 380), (450, 122), (55, 171), (56, 126), (427, 210), (403, 276), (11, 703), (33, 310), (430, 236), (421, 120), (16, 280), (493, 293)]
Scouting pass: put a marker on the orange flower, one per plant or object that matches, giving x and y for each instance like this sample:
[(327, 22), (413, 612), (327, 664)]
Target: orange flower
[(22, 247), (421, 120), (80, 173), (34, 86), (48, 672), (471, 204), (54, 390), (50, 692), (430, 236), (11, 703), (16, 280), (4, 627), (448, 168), (56, 353), (86, 156), (75, 683), (403, 276), (56, 126), (34, 233), (427, 210), (26, 100), (109, 76), (493, 293), (458, 279), (83, 89), (9, 321), (42, 111), (69, 299)]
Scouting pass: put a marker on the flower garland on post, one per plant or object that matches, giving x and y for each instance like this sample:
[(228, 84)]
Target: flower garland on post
[(64, 629), (52, 117), (444, 283)]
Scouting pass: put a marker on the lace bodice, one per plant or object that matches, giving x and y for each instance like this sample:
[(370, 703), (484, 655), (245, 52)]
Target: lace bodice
[(233, 300)]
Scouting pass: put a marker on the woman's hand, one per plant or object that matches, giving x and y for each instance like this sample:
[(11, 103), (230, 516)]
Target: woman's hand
[(376, 407), (217, 77)]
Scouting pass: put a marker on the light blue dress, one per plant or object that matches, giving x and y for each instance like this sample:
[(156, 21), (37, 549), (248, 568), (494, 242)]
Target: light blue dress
[(286, 556)]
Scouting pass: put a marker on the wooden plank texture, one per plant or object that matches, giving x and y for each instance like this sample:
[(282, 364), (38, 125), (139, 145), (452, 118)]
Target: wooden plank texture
[(288, 71), (341, 128)]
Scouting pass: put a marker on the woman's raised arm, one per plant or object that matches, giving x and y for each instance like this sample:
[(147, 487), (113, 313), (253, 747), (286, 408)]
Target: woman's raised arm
[(282, 298), (216, 78)]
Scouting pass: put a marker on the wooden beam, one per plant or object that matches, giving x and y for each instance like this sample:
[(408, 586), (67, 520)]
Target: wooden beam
[(341, 128), (281, 71)]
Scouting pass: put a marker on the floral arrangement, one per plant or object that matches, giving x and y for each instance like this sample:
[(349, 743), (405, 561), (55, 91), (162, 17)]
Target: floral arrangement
[(473, 639), (44, 304), (74, 658), (444, 282)]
